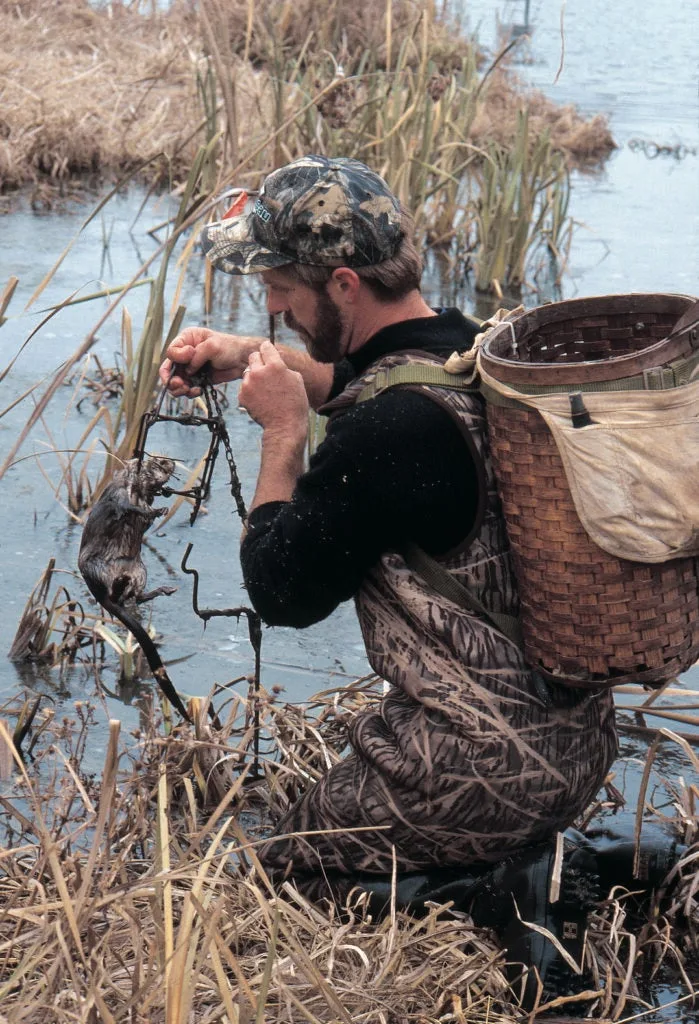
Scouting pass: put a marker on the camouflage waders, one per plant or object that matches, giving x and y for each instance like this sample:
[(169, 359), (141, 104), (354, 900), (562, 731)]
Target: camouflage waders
[(467, 758)]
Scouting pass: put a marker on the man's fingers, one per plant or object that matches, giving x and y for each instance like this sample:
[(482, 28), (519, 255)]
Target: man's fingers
[(269, 353), (177, 383), (200, 356)]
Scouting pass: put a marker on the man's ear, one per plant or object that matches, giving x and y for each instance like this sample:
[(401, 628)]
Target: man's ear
[(344, 285)]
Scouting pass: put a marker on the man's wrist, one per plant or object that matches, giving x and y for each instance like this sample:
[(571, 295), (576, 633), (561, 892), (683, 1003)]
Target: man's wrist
[(286, 439)]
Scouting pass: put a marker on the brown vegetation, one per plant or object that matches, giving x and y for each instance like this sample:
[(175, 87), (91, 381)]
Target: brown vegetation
[(580, 139), (137, 896), (86, 88)]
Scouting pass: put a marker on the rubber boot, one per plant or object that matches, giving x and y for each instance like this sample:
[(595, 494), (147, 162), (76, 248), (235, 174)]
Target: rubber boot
[(413, 891), (509, 897), (614, 850), (515, 896), (593, 864), (504, 898)]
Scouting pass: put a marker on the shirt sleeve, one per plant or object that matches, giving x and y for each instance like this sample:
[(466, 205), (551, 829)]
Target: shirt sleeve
[(391, 470)]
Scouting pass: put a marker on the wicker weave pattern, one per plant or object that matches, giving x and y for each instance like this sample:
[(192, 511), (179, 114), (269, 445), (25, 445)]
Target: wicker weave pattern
[(583, 340), (594, 338), (586, 615), (584, 612)]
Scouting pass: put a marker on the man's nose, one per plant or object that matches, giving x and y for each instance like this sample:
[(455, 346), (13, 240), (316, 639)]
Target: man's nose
[(276, 304)]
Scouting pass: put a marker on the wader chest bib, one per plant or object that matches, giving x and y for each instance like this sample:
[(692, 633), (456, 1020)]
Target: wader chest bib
[(466, 757)]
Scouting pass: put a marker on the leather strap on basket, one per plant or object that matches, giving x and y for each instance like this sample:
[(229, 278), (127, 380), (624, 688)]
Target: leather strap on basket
[(659, 378), (673, 374), (687, 322)]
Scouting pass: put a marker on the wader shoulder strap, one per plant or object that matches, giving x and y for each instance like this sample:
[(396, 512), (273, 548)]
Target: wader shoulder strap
[(408, 373), (446, 584), (439, 578), (414, 373)]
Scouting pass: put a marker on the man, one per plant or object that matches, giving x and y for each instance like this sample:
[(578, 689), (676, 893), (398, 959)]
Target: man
[(468, 757)]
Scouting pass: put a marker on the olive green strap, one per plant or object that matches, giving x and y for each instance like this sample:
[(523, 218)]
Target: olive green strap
[(414, 373), (317, 426), (446, 584)]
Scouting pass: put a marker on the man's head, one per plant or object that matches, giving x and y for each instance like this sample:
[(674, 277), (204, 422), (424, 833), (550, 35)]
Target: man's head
[(320, 229), (314, 211)]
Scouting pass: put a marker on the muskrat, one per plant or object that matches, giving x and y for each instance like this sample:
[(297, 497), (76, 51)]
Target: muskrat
[(110, 552)]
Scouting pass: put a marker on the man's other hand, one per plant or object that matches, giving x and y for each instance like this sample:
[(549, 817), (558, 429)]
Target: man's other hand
[(225, 356)]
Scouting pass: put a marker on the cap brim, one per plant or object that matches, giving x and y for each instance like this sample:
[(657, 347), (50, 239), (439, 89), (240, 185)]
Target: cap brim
[(231, 247)]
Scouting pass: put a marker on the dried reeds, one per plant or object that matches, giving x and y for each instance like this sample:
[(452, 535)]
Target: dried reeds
[(93, 89), (51, 629), (138, 896), (213, 94)]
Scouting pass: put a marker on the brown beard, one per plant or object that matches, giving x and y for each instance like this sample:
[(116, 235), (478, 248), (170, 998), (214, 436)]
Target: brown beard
[(324, 343)]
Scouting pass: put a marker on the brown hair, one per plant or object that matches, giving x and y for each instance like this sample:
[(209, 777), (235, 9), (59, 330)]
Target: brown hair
[(389, 280)]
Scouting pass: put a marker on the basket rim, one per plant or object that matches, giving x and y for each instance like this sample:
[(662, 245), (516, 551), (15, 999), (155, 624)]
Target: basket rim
[(511, 371)]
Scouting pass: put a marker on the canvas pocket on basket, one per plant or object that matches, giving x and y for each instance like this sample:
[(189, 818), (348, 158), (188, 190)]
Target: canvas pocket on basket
[(633, 472)]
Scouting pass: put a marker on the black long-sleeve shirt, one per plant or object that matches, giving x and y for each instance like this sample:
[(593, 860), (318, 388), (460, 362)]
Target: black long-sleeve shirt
[(391, 470)]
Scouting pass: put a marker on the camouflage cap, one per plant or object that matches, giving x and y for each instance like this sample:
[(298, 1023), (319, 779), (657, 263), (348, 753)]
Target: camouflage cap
[(327, 213)]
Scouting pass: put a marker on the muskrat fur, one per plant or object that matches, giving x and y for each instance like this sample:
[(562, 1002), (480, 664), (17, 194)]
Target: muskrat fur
[(110, 552)]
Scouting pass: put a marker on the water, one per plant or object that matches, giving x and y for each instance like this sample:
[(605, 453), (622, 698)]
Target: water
[(638, 231), (634, 61)]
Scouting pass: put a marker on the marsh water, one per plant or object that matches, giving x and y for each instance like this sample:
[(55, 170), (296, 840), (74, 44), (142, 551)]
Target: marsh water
[(637, 230)]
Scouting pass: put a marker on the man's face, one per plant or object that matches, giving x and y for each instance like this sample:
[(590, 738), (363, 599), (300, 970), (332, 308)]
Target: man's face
[(312, 314)]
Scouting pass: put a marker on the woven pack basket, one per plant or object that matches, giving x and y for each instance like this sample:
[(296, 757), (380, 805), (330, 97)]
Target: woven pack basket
[(588, 618)]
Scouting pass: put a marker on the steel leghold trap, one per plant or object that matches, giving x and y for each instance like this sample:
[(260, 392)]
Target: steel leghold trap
[(215, 423), (219, 435)]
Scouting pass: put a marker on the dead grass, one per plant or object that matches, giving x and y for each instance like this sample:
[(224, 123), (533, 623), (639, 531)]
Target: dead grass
[(86, 89), (581, 140), (230, 90), (82, 90), (136, 895)]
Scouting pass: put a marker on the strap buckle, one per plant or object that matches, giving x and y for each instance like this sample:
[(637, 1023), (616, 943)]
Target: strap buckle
[(658, 378)]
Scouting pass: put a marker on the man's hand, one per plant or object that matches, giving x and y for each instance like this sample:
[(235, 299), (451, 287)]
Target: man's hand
[(274, 395), (225, 356)]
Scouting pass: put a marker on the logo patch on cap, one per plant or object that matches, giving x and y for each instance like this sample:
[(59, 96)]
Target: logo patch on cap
[(261, 211)]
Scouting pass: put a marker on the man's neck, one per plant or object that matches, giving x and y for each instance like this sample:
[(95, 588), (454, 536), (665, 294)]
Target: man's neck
[(373, 316)]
